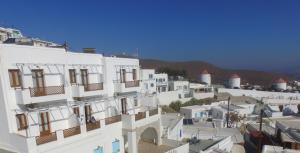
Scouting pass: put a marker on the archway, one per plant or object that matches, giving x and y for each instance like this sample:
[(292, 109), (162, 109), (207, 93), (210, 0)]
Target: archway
[(149, 135)]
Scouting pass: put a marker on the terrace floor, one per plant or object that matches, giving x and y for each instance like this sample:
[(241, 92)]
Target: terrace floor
[(4, 151), (147, 147)]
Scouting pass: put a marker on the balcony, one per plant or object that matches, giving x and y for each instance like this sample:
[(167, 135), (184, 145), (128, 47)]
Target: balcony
[(46, 139), (45, 91), (141, 119), (93, 126), (40, 94), (113, 119), (92, 89), (128, 86), (153, 112), (71, 131), (140, 115)]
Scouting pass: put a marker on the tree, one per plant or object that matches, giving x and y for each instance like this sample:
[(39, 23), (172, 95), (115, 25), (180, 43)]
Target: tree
[(176, 105)]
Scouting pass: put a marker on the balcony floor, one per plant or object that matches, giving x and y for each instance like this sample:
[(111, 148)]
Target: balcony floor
[(5, 151), (147, 147)]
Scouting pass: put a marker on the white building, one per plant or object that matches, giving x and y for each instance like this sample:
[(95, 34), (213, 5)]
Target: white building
[(56, 101), (195, 112), (234, 81), (173, 126), (201, 91), (205, 77), (280, 84), (6, 33), (148, 81), (161, 82), (276, 149), (182, 87)]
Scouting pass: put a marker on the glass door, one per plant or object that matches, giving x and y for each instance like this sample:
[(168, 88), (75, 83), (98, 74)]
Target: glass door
[(123, 75), (44, 123), (84, 78), (38, 82), (124, 105)]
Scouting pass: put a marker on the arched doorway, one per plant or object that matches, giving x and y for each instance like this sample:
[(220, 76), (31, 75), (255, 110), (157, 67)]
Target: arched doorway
[(149, 135)]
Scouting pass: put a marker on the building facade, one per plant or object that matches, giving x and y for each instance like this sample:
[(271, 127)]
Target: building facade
[(53, 100)]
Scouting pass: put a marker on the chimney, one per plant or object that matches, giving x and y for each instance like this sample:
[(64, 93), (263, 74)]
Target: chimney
[(89, 50)]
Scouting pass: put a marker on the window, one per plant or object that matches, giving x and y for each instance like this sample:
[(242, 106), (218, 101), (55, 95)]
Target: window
[(133, 74), (72, 73), (116, 146), (152, 85), (150, 76), (98, 150), (135, 102), (15, 78), (76, 111), (21, 122)]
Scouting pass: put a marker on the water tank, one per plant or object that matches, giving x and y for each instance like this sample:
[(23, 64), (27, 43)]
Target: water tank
[(205, 77), (280, 84), (234, 81)]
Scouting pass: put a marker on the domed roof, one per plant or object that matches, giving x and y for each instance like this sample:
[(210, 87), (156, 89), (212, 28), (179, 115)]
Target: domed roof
[(280, 80), (234, 76), (204, 72)]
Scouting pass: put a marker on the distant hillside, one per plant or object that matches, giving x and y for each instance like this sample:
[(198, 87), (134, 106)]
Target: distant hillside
[(219, 75)]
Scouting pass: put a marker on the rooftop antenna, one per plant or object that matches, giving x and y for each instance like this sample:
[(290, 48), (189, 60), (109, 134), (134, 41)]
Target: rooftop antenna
[(137, 52)]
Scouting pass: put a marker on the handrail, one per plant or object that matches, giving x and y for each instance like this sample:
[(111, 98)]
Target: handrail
[(92, 126), (44, 91), (93, 86), (71, 131), (46, 138), (113, 119), (134, 83), (140, 115)]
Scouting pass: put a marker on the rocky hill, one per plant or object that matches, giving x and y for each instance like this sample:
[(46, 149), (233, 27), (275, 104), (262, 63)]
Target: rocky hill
[(219, 75)]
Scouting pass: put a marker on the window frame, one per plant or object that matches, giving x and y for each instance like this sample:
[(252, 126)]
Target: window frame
[(22, 121), (13, 80), (76, 111), (117, 142), (72, 76)]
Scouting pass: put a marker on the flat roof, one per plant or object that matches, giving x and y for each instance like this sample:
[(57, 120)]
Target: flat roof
[(255, 127), (203, 107), (235, 133), (293, 124), (170, 120), (202, 145)]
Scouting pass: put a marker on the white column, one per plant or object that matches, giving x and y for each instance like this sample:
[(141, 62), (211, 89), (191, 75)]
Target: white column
[(82, 119), (132, 144)]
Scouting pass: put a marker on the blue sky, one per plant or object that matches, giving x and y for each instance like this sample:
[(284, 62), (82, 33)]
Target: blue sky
[(255, 34)]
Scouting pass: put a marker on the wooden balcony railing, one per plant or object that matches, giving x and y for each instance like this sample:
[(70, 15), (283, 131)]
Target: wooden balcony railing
[(153, 112), (71, 131), (129, 84), (113, 119), (46, 138), (93, 126), (140, 116), (93, 87), (44, 91)]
